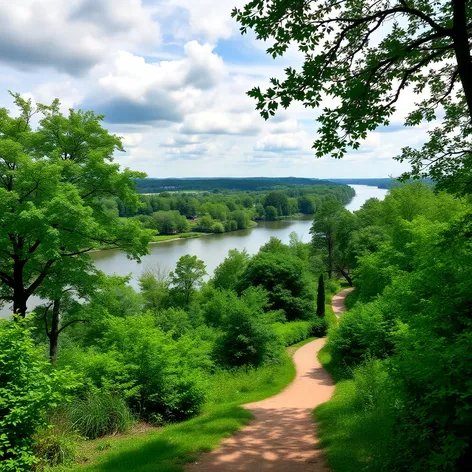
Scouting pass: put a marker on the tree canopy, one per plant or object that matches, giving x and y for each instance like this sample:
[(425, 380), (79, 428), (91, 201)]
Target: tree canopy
[(367, 54), (54, 183)]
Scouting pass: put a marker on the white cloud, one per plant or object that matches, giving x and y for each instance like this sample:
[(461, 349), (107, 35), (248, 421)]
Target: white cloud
[(131, 90), (208, 18), (73, 35), (283, 142), (131, 140), (214, 122)]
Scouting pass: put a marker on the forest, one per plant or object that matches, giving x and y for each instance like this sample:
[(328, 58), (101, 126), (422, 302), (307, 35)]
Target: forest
[(255, 184), (210, 212)]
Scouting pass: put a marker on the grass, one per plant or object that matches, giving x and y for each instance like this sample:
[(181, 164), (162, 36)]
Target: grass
[(354, 439), (170, 448)]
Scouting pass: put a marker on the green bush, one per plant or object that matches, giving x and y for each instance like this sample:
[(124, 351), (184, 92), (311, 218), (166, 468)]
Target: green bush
[(99, 414), (360, 331), (28, 388), (319, 327), (294, 332), (246, 339), (155, 373), (286, 279)]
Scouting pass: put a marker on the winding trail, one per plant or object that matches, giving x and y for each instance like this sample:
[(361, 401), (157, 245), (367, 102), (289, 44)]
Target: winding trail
[(338, 301), (282, 437)]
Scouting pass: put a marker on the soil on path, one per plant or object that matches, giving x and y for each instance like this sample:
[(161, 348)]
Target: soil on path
[(282, 437), (338, 301)]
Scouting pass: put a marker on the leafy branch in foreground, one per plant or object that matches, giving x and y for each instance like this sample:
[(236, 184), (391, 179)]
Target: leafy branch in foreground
[(424, 47)]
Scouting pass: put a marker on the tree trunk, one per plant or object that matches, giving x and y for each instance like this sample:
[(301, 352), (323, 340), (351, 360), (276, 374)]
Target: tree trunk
[(19, 302), (54, 331), (462, 50), (346, 276), (20, 297)]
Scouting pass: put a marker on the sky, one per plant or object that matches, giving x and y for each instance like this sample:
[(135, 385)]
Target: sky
[(171, 78)]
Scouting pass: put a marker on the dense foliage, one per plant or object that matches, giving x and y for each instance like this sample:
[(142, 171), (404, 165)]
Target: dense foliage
[(409, 333), (54, 182), (209, 212), (153, 355), (28, 388), (367, 54)]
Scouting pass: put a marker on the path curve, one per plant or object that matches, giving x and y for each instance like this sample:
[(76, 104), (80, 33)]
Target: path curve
[(282, 437), (338, 301)]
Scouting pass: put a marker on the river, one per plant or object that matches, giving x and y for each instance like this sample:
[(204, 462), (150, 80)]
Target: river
[(212, 249)]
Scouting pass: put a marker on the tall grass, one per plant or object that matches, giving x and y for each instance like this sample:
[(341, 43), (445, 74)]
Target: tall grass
[(100, 414), (56, 444), (356, 427), (238, 386)]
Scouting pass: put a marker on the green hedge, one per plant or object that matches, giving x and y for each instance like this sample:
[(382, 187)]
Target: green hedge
[(296, 331)]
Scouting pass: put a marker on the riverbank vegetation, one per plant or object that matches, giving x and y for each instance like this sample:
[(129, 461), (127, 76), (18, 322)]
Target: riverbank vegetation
[(171, 213), (402, 353)]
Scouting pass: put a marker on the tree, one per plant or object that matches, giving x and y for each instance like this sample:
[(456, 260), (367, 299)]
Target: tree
[(320, 298), (187, 275), (286, 279), (323, 231), (270, 213), (227, 274), (246, 339), (53, 181), (154, 285), (306, 205), (331, 234), (279, 201), (367, 54), (242, 218)]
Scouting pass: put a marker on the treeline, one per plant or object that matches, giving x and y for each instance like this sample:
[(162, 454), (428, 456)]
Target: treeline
[(385, 183), (155, 355), (170, 213), (252, 184), (404, 349)]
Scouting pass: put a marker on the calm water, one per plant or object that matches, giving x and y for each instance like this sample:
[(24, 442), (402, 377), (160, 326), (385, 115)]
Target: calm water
[(212, 249)]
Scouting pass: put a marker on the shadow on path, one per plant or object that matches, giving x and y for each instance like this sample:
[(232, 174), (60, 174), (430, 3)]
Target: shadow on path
[(281, 438)]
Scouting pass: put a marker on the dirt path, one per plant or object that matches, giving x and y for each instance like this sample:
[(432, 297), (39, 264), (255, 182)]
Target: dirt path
[(282, 437), (338, 301)]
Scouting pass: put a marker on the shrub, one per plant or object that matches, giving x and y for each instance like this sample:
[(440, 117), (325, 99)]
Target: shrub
[(319, 326), (99, 414), (246, 338), (360, 331), (294, 332), (56, 444), (28, 387), (286, 279), (154, 372)]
